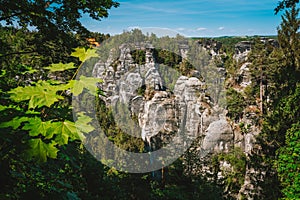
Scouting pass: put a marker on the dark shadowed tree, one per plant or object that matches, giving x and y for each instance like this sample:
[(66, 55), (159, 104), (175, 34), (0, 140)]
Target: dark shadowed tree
[(279, 134), (55, 15), (285, 4), (54, 21)]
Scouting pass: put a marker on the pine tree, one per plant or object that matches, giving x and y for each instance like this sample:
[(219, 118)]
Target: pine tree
[(288, 36), (260, 59), (283, 111), (285, 4), (281, 70)]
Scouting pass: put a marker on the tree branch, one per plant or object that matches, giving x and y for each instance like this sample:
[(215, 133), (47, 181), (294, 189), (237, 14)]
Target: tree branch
[(14, 53), (10, 16)]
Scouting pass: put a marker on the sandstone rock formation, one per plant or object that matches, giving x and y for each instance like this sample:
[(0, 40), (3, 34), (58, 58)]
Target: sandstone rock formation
[(241, 51), (186, 110)]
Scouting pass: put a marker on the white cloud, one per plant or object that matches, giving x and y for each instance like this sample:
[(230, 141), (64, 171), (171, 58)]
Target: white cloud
[(160, 9), (201, 29), (181, 29), (221, 28)]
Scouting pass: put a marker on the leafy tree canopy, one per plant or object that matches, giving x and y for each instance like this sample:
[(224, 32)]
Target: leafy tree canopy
[(55, 15), (288, 164), (285, 4)]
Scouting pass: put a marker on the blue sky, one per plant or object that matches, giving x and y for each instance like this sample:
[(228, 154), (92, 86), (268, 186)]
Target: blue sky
[(203, 18)]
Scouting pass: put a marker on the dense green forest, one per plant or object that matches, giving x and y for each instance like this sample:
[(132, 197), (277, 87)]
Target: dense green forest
[(41, 151)]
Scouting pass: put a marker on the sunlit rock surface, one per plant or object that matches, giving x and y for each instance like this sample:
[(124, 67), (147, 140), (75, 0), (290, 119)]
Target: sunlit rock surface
[(187, 109)]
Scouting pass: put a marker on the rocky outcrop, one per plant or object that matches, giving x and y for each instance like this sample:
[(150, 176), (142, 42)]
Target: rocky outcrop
[(244, 75), (241, 51), (218, 137), (186, 110), (270, 41), (212, 46), (244, 47)]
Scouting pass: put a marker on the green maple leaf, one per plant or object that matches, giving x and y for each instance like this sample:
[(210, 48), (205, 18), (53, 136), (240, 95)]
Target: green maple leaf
[(60, 67), (40, 150), (3, 108), (89, 83), (83, 125), (2, 73), (42, 94), (36, 126), (14, 123), (84, 54), (64, 131), (29, 70), (32, 112)]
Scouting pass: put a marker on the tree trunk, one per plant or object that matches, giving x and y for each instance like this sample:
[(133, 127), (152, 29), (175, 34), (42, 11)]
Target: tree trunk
[(261, 91)]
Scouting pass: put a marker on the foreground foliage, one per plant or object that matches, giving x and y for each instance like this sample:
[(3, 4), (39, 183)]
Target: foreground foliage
[(40, 106)]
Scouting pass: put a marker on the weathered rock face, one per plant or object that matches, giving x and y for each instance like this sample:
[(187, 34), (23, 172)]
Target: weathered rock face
[(158, 115), (243, 48), (244, 75), (241, 51), (184, 48), (212, 46), (270, 41), (185, 110), (218, 137)]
